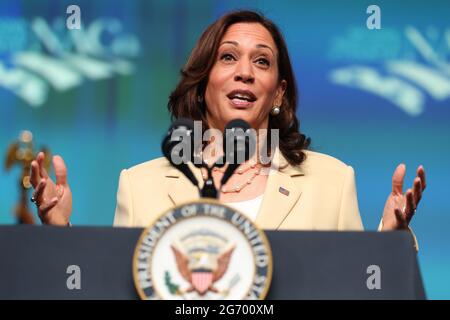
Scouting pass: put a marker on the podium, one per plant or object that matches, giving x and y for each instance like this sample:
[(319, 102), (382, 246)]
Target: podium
[(35, 264)]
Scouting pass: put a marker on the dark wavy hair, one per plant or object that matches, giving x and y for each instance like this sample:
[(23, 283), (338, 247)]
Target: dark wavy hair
[(184, 100)]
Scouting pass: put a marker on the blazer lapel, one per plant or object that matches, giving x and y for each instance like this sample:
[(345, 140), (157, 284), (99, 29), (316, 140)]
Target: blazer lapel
[(281, 194), (181, 190)]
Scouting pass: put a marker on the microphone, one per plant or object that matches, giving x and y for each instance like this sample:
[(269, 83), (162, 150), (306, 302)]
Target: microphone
[(239, 145), (177, 146)]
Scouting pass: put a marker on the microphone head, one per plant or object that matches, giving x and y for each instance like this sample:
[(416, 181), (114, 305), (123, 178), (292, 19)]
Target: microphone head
[(237, 123), (182, 122), (181, 135), (239, 141)]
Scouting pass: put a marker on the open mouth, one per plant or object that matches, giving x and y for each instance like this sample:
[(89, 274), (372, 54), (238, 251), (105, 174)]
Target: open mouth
[(241, 98)]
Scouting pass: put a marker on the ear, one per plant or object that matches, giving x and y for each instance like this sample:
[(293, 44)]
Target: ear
[(280, 93)]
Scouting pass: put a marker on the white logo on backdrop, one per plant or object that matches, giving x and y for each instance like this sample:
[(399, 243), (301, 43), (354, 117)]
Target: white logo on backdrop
[(405, 68), (36, 57)]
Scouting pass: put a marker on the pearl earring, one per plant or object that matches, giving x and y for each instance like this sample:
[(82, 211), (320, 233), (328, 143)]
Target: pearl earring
[(275, 110)]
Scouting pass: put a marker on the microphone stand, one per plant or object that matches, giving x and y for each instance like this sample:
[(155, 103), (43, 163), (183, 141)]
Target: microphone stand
[(209, 189)]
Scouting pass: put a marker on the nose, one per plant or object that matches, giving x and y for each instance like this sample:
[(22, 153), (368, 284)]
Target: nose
[(244, 72)]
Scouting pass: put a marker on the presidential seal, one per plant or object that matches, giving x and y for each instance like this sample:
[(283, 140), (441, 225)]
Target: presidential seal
[(202, 250)]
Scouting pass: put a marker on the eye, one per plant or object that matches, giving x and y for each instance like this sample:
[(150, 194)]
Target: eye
[(263, 61), (227, 57)]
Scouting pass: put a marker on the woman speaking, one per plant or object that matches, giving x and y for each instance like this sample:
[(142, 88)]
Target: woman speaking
[(240, 69)]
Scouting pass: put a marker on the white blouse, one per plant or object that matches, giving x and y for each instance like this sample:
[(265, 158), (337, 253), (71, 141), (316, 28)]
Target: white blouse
[(248, 207)]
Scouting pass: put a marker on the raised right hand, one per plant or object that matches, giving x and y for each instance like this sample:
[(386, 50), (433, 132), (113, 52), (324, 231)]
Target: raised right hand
[(53, 201)]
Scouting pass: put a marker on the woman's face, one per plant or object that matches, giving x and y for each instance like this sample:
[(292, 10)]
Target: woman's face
[(243, 83)]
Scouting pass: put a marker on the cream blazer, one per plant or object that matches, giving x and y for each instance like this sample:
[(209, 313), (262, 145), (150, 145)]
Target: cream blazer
[(321, 194)]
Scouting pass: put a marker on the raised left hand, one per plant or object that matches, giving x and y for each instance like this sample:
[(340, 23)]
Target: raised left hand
[(400, 207)]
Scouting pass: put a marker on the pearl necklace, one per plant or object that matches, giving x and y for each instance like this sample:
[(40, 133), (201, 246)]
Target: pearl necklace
[(238, 187)]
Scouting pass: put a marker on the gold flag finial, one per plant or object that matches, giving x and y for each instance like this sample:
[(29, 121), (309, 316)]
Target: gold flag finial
[(21, 153)]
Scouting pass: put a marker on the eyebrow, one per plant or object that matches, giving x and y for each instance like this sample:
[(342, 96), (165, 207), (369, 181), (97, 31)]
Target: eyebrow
[(259, 45)]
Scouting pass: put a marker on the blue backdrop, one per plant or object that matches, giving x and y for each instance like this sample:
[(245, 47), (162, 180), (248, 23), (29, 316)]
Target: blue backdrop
[(97, 96)]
